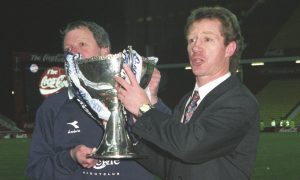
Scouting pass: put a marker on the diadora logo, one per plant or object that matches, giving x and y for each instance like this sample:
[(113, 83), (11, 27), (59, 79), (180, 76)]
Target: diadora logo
[(75, 125)]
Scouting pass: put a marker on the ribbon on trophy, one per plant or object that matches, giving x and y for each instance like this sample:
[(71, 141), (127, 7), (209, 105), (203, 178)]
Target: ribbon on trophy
[(135, 61), (83, 97)]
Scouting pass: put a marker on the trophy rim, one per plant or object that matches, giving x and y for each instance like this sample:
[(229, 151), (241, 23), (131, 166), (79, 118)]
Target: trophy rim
[(109, 57)]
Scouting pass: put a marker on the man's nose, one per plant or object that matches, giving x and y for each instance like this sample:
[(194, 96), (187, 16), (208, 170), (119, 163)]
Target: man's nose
[(73, 49), (197, 46)]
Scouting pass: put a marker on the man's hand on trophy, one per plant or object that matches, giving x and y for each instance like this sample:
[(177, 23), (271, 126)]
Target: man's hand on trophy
[(154, 85), (131, 94), (81, 154)]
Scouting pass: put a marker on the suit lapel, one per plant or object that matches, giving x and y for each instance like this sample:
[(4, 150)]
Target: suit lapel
[(213, 95)]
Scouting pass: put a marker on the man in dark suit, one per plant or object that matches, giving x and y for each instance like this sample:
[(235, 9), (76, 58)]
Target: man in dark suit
[(214, 130)]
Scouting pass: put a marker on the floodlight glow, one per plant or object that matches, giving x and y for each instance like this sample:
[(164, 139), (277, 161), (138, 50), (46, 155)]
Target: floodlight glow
[(257, 64), (188, 67)]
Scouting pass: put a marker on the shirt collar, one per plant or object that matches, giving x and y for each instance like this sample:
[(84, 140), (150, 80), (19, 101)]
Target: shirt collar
[(205, 89)]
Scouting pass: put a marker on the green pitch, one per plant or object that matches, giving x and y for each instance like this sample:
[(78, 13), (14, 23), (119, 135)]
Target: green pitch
[(13, 158), (278, 157)]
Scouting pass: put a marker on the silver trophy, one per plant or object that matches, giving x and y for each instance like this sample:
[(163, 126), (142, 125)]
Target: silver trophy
[(92, 81)]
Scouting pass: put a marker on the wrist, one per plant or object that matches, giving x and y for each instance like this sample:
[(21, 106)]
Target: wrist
[(154, 100), (144, 108), (72, 154)]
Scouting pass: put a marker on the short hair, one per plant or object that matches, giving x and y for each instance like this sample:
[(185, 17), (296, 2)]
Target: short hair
[(230, 29), (99, 33)]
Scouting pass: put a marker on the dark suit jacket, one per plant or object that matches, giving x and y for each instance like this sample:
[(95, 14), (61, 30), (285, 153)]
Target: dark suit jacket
[(218, 143)]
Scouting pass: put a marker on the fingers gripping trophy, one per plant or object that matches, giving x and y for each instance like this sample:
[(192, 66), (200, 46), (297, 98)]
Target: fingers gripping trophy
[(92, 81)]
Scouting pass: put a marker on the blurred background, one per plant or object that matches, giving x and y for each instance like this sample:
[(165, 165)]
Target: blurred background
[(31, 48)]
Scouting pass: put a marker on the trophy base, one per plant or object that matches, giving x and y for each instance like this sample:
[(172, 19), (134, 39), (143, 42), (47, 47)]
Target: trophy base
[(117, 156)]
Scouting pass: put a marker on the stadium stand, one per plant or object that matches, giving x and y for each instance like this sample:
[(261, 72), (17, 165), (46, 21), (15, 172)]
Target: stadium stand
[(8, 129), (297, 118), (277, 100)]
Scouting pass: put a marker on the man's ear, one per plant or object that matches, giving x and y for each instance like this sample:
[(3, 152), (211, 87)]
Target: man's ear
[(230, 48), (104, 51)]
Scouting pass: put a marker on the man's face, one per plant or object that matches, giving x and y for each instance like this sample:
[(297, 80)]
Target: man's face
[(81, 40), (208, 56)]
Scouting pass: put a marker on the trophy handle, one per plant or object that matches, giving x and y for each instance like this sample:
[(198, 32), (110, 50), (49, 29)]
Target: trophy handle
[(146, 74)]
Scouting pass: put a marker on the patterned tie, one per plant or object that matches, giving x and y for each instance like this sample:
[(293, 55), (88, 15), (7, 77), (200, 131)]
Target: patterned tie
[(191, 107)]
